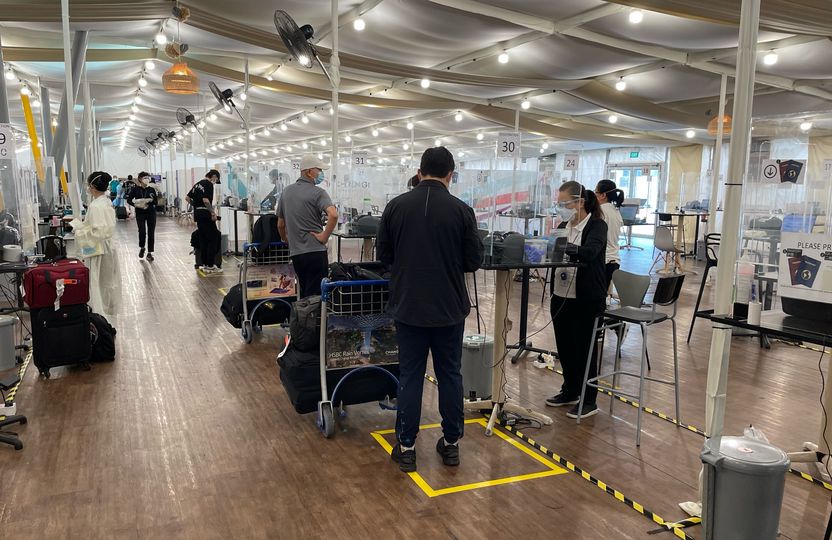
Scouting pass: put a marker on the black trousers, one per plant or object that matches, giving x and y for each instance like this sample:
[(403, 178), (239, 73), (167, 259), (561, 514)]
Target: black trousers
[(573, 320), (209, 244), (311, 269), (610, 270), (445, 346), (147, 229)]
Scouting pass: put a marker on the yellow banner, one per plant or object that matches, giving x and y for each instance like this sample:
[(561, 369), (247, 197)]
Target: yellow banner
[(33, 135)]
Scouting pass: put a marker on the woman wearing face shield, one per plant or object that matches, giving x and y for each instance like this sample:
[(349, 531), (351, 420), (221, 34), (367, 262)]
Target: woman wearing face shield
[(579, 295), (610, 198)]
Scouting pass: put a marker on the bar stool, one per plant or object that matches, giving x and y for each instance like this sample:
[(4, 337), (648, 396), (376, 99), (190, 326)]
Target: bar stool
[(634, 287), (711, 259)]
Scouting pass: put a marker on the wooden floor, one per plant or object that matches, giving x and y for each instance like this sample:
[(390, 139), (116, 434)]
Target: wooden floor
[(189, 434)]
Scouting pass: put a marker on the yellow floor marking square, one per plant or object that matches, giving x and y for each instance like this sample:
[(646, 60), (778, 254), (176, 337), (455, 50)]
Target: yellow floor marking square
[(552, 469)]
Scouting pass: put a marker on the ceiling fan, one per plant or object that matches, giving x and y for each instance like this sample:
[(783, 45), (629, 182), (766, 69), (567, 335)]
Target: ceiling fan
[(186, 119), (297, 40), (224, 98)]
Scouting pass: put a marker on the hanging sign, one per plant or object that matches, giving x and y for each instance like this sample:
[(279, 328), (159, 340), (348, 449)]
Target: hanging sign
[(359, 158), (645, 171), (6, 142), (508, 144), (571, 162), (827, 169), (806, 264), (777, 171), (296, 166)]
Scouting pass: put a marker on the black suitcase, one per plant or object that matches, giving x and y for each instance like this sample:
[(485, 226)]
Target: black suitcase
[(61, 338), (121, 212), (271, 312)]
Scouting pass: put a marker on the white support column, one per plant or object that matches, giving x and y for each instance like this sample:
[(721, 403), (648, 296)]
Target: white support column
[(335, 74), (74, 195), (717, 158)]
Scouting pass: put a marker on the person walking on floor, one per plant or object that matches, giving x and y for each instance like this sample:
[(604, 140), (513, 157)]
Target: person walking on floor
[(430, 239), (201, 197), (94, 237), (299, 217), (143, 197), (579, 294)]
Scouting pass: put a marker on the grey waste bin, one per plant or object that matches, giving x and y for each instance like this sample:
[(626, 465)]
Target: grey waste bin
[(477, 357), (8, 358), (743, 489)]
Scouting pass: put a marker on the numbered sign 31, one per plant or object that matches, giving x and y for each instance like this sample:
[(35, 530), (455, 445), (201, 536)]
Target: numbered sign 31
[(359, 158), (508, 145), (6, 142), (571, 162)]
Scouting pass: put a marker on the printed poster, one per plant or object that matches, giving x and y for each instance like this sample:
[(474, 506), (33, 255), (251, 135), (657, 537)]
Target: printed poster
[(270, 281), (806, 267), (354, 340)]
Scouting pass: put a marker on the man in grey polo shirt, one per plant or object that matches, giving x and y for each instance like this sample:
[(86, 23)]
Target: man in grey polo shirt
[(299, 219)]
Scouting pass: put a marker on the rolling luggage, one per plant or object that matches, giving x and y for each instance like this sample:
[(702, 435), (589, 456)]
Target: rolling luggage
[(121, 212), (102, 339), (40, 284), (60, 338), (271, 312)]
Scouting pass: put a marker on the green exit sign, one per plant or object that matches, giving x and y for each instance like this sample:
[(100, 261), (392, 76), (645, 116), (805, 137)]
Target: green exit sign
[(633, 155)]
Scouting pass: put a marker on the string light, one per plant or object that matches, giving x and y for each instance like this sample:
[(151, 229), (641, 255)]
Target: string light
[(525, 105), (690, 134), (375, 133), (503, 58), (243, 95), (212, 117), (458, 117), (480, 136), (142, 81), (437, 142), (425, 83), (405, 146), (283, 127), (770, 59), (359, 24), (410, 126), (150, 65), (304, 119), (161, 38), (621, 85), (636, 16), (266, 132), (10, 74), (805, 126), (348, 138), (613, 119), (25, 90)]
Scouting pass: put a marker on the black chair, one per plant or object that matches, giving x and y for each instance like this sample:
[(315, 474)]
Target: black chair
[(8, 437), (711, 259)]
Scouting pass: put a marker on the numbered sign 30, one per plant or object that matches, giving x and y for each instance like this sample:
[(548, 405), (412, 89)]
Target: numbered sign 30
[(508, 145)]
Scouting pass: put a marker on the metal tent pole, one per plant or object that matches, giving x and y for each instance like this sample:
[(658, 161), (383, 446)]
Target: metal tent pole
[(717, 161), (737, 166), (247, 145), (335, 74)]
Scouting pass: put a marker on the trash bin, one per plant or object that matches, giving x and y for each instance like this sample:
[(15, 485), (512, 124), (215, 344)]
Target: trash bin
[(477, 356), (743, 489), (8, 357)]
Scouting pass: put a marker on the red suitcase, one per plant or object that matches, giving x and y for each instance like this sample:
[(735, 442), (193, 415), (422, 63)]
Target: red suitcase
[(40, 284)]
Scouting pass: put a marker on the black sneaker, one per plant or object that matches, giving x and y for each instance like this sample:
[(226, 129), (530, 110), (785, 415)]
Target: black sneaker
[(561, 400), (141, 253), (406, 459), (589, 410), (449, 452), (150, 257)]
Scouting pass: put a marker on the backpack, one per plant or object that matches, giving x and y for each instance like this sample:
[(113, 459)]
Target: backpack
[(103, 339), (305, 324)]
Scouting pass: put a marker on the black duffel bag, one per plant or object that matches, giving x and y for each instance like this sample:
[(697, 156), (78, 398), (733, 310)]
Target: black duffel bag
[(271, 312), (305, 324), (103, 339)]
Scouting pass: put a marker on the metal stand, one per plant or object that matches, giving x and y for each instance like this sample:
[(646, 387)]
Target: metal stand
[(499, 402), (524, 345)]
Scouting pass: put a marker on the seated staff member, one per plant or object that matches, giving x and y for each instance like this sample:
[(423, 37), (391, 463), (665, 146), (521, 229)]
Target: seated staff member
[(611, 198), (299, 211), (579, 294), (201, 197)]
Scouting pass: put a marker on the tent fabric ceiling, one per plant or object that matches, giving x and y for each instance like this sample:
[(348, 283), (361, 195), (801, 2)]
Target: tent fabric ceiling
[(567, 78)]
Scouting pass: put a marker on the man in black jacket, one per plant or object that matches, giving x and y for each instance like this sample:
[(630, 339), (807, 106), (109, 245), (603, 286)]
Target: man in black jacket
[(143, 197), (430, 239)]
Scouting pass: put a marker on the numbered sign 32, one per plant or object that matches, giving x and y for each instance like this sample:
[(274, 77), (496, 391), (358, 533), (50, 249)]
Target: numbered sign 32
[(508, 145), (296, 166), (571, 162), (6, 142)]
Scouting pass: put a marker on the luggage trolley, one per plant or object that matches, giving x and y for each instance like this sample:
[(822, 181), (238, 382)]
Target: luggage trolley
[(268, 264), (363, 304)]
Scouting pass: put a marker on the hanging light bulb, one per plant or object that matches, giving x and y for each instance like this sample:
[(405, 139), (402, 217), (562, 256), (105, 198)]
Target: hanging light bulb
[(243, 95), (54, 122), (304, 146), (134, 108), (240, 139), (503, 58), (304, 60), (380, 150), (348, 138), (226, 107), (36, 103), (458, 117), (480, 136), (437, 142), (266, 132), (405, 146), (275, 151), (138, 99), (252, 136), (410, 126), (222, 145), (129, 122), (636, 16), (544, 146), (25, 90), (212, 117), (425, 83), (10, 74), (612, 119), (142, 81), (525, 105), (375, 132), (150, 65), (263, 153), (621, 85), (132, 117), (288, 147), (359, 24), (192, 128), (201, 124), (304, 119), (805, 126), (690, 134), (283, 127), (323, 142), (460, 154), (161, 38), (770, 59), (320, 156)]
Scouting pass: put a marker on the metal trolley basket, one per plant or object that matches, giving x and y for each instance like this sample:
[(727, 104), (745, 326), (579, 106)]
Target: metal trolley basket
[(276, 254), (364, 303)]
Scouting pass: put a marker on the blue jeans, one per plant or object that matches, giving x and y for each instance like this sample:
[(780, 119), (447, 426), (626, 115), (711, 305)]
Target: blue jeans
[(445, 346)]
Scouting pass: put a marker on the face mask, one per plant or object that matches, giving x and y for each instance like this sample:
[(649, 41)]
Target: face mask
[(566, 214), (320, 178)]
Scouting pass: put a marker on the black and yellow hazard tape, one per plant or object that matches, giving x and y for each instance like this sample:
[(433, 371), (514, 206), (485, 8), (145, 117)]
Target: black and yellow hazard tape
[(21, 371), (683, 524), (677, 530), (799, 345)]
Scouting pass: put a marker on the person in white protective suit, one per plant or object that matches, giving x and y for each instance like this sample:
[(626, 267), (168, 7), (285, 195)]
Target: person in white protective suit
[(94, 236)]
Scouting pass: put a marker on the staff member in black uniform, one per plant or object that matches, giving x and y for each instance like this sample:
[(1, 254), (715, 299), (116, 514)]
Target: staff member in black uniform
[(579, 294), (201, 197), (143, 196)]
